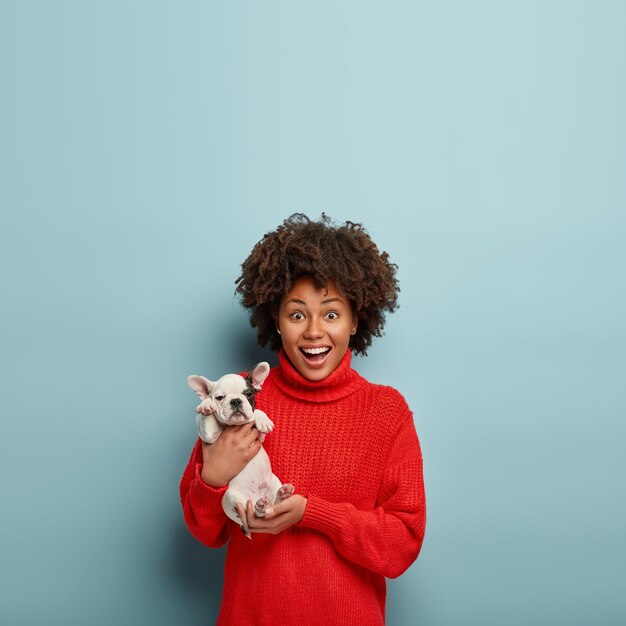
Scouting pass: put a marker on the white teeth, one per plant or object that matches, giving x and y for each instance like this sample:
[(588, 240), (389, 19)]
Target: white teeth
[(314, 350)]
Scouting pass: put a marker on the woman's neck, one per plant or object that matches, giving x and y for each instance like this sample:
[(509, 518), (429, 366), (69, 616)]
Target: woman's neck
[(340, 383)]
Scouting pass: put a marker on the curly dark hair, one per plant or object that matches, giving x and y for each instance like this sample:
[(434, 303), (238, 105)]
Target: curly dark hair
[(343, 254)]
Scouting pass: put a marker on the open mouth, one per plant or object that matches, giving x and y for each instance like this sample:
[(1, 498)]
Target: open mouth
[(315, 356)]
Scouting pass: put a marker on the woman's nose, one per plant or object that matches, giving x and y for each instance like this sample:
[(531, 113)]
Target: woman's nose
[(314, 329)]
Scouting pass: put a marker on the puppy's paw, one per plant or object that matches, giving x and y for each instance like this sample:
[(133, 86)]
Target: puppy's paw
[(206, 407), (260, 506), (263, 423), (285, 491)]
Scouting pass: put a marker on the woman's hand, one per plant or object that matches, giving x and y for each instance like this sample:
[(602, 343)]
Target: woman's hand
[(277, 518), (230, 453)]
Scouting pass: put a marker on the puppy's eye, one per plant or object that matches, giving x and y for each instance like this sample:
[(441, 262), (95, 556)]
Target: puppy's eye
[(248, 394), (219, 398)]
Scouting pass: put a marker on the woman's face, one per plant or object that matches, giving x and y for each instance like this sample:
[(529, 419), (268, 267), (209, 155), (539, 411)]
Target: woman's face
[(315, 327)]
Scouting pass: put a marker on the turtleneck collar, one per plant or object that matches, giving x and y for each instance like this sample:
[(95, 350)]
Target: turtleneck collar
[(340, 383)]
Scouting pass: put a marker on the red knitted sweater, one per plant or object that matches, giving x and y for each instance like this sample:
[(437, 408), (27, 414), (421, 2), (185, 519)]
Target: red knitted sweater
[(351, 448)]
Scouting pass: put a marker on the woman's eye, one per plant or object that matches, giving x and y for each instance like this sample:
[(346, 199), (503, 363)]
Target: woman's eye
[(332, 315), (297, 316)]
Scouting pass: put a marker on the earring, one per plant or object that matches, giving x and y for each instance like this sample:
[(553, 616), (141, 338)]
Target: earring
[(278, 330)]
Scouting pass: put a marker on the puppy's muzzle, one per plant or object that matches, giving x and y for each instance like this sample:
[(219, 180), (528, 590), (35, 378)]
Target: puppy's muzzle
[(237, 415)]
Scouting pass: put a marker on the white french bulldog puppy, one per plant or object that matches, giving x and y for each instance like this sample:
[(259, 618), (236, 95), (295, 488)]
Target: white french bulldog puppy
[(230, 401)]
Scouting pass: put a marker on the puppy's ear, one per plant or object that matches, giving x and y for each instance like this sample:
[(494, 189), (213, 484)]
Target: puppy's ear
[(201, 385), (258, 374)]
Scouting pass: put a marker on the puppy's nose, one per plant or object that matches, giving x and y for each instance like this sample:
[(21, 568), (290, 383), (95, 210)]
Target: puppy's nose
[(236, 403)]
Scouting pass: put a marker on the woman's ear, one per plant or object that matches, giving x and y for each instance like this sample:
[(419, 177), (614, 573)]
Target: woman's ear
[(355, 320)]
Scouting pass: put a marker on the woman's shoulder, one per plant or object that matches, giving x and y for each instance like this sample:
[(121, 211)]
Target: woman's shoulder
[(388, 396)]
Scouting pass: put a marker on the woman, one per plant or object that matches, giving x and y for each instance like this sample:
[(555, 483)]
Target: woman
[(316, 292)]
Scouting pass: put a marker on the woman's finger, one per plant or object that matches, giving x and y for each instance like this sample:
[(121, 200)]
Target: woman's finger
[(240, 512), (244, 518), (252, 438), (250, 511)]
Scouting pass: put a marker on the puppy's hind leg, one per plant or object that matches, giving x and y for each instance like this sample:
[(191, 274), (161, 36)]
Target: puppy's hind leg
[(278, 491), (285, 491), (231, 498), (260, 505)]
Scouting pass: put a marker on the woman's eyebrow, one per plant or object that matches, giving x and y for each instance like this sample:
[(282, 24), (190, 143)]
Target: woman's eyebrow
[(298, 301)]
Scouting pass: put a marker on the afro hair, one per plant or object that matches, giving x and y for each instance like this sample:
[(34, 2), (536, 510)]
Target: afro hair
[(344, 254)]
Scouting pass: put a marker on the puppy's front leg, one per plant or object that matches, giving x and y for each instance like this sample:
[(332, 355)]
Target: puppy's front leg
[(263, 423), (208, 428)]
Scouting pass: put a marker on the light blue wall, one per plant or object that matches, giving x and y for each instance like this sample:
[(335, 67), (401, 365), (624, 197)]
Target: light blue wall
[(146, 146)]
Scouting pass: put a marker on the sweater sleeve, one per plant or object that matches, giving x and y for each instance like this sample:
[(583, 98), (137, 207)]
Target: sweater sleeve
[(387, 539), (202, 504)]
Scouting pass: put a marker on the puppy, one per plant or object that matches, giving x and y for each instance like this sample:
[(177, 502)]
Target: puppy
[(230, 401)]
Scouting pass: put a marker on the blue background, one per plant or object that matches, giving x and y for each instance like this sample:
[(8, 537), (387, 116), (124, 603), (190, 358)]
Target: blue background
[(146, 146)]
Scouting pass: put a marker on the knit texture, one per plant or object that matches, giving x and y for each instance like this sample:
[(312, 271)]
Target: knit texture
[(351, 448)]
